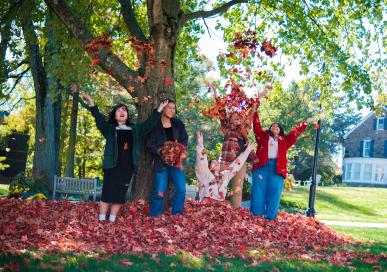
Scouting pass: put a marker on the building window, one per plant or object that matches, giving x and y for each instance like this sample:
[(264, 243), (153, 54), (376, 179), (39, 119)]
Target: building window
[(379, 173), (348, 171), (356, 171), (367, 148), (345, 152), (380, 124), (367, 172)]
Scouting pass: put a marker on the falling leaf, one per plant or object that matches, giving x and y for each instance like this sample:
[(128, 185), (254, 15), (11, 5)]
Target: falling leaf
[(95, 61), (268, 48), (168, 81), (125, 262)]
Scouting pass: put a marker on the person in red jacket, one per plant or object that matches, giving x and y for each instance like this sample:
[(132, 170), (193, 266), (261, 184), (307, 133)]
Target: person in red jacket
[(269, 173)]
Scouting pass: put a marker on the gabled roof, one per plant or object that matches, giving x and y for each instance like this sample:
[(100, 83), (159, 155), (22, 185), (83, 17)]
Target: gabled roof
[(361, 122)]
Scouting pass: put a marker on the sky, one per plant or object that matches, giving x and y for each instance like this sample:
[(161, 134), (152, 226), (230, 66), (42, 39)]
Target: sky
[(211, 46)]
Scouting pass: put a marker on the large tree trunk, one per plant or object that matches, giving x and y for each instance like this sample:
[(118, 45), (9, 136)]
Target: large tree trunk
[(163, 18), (70, 155), (45, 162), (54, 97)]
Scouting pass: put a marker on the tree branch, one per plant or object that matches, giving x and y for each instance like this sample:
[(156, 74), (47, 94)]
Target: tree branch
[(108, 61), (5, 26), (9, 14), (205, 14), (18, 78), (38, 70), (19, 75), (20, 99), (130, 19), (208, 30)]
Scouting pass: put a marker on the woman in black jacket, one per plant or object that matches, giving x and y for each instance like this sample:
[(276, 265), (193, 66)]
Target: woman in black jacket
[(168, 128), (122, 152)]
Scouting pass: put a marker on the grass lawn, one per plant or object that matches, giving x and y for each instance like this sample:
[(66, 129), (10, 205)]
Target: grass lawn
[(35, 261), (378, 235), (344, 203), (4, 189)]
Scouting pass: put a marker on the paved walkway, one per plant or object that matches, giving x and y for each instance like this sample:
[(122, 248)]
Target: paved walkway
[(354, 224)]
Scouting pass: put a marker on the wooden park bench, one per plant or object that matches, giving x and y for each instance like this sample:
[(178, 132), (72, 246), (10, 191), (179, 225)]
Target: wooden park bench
[(83, 186), (190, 191)]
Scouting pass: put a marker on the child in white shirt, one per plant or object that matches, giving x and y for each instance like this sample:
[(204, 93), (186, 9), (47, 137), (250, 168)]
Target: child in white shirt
[(213, 182)]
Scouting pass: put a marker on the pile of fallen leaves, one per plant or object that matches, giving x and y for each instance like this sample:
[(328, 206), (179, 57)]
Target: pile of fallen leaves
[(215, 229), (173, 154)]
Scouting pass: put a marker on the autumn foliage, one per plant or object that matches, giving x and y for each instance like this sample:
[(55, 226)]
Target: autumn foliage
[(173, 154), (94, 47), (215, 229), (236, 101)]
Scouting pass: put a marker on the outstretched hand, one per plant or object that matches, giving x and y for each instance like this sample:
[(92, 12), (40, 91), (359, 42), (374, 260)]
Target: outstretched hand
[(162, 105), (310, 120), (88, 99), (255, 106), (252, 146), (199, 137)]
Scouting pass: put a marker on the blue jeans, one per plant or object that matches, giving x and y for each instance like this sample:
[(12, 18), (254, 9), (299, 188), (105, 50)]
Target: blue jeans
[(266, 191), (160, 186)]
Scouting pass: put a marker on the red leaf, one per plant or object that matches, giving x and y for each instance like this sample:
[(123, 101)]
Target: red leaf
[(12, 267), (370, 260), (126, 262), (168, 81), (95, 61), (268, 48)]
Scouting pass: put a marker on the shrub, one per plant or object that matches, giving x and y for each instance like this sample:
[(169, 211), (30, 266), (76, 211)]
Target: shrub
[(289, 182), (21, 184), (37, 196)]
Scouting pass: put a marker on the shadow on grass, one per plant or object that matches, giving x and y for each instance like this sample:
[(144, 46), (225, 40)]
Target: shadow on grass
[(35, 261), (341, 204), (332, 199)]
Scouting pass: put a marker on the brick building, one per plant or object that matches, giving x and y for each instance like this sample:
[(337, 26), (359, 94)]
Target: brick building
[(365, 153)]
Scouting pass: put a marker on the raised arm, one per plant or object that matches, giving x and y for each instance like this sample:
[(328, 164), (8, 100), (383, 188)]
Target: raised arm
[(257, 128), (100, 120), (147, 126), (222, 113), (292, 137), (237, 164), (201, 166)]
